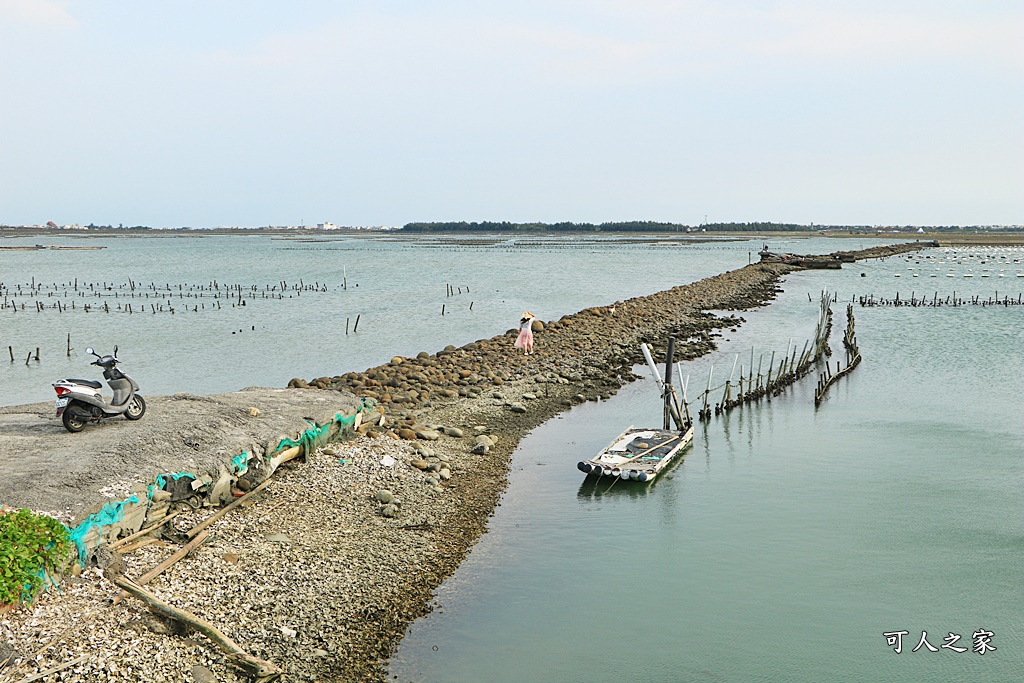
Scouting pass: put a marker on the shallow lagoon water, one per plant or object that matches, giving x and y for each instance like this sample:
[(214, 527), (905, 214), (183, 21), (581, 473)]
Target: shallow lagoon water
[(790, 538), (397, 286), (782, 548)]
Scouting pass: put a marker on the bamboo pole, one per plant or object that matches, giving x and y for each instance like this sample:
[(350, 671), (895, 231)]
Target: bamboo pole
[(127, 539), (230, 506), (162, 567)]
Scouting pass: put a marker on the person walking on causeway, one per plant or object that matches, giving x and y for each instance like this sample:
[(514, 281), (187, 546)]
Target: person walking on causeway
[(525, 339)]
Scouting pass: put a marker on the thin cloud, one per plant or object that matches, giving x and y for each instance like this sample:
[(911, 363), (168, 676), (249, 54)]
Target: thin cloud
[(38, 12), (814, 34), (798, 30), (447, 48)]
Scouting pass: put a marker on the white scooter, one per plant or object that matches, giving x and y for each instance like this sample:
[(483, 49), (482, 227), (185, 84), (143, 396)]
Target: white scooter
[(79, 401)]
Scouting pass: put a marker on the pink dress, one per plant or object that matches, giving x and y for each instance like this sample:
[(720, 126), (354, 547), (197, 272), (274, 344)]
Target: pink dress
[(525, 338)]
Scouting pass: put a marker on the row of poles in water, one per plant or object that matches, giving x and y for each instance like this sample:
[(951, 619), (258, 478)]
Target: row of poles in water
[(213, 288), (771, 381), (828, 378), (936, 301), (159, 299), (10, 350)]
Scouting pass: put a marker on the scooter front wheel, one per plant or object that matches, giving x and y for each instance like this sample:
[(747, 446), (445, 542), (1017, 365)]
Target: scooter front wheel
[(72, 422), (136, 408)]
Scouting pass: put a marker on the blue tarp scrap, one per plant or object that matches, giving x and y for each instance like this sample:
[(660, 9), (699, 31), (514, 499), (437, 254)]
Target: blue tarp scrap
[(161, 482), (240, 463), (315, 436), (111, 513)]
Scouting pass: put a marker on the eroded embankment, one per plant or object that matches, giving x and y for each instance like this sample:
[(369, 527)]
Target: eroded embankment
[(44, 467)]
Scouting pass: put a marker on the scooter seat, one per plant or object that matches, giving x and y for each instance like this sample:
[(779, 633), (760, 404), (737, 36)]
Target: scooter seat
[(87, 382)]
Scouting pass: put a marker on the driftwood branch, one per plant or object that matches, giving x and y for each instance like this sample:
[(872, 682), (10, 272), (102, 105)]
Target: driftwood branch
[(282, 457), (261, 670), (230, 506), (160, 568), (150, 529)]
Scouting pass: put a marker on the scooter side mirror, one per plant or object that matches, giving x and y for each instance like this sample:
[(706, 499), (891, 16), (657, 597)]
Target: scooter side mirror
[(90, 351)]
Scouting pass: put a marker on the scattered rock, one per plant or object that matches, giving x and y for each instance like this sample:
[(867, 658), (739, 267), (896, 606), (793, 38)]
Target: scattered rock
[(200, 674), (384, 496), (278, 538), (390, 510), (8, 653), (517, 407)]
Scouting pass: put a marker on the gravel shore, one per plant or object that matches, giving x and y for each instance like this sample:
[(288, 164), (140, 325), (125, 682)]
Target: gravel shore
[(322, 571)]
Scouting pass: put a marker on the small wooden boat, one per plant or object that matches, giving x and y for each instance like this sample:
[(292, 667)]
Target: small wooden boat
[(638, 454), (642, 454)]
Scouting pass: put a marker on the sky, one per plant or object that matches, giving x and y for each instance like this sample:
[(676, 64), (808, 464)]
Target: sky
[(232, 113)]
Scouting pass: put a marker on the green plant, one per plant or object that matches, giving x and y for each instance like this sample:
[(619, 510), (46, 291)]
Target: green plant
[(30, 546)]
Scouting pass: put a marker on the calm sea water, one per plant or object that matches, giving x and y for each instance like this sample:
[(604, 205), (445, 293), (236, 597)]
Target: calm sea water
[(396, 286), (791, 538), (782, 548)]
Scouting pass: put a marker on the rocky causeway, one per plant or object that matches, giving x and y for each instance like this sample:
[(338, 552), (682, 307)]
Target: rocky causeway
[(323, 570)]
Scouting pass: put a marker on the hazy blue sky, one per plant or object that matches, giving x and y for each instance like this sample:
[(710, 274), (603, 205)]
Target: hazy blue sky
[(366, 113)]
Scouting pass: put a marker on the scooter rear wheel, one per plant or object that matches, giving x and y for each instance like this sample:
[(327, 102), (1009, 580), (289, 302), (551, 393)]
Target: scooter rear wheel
[(136, 408), (72, 422)]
